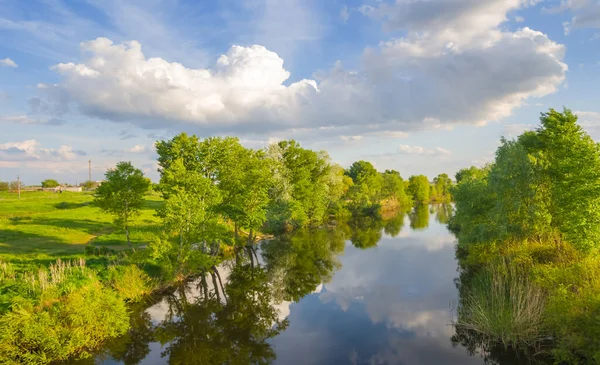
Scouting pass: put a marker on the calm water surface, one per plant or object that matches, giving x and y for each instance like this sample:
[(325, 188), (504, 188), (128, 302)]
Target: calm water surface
[(372, 292)]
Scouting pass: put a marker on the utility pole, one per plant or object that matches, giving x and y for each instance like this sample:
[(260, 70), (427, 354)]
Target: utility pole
[(19, 186), (90, 171)]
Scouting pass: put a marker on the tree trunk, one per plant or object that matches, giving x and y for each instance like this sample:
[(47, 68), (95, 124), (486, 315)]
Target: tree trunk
[(127, 236), (250, 237)]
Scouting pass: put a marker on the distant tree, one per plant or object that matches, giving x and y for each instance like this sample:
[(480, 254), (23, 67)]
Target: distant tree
[(122, 194), (394, 188), (89, 184), (4, 185), (14, 185), (367, 185), (50, 183), (418, 187), (440, 190)]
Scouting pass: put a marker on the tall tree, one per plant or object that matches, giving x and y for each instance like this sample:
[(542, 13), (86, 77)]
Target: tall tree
[(418, 187), (367, 185), (122, 194), (190, 215), (394, 188)]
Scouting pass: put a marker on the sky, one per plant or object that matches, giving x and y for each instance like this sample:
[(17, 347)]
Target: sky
[(419, 86)]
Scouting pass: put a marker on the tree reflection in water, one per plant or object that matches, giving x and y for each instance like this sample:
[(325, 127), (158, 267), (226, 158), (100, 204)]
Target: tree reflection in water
[(212, 325)]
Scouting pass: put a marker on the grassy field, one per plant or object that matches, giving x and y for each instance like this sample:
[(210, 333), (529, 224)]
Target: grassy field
[(43, 226)]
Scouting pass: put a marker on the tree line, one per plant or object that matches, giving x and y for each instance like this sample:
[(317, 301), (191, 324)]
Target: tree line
[(216, 191)]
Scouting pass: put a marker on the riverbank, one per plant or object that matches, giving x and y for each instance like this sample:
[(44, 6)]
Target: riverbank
[(67, 274), (528, 229)]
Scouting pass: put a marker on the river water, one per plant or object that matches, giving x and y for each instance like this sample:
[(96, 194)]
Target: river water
[(372, 292)]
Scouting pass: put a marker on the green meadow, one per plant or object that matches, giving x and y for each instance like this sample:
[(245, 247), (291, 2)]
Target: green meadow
[(44, 226)]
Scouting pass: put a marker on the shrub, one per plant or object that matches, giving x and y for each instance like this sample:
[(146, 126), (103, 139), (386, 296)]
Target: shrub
[(4, 186), (68, 328), (130, 282)]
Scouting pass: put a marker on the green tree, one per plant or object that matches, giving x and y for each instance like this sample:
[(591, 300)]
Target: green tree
[(122, 194), (300, 191), (365, 193), (441, 187), (394, 188), (191, 218), (418, 188), (4, 186), (50, 183), (88, 184), (570, 160)]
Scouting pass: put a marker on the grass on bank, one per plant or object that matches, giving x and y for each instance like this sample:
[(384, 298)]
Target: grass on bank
[(541, 295), (57, 301), (43, 226)]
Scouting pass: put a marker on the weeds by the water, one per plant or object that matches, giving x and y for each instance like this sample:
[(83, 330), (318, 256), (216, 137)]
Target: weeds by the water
[(505, 306)]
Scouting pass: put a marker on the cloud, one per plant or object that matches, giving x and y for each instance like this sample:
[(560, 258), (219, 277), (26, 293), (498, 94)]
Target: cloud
[(519, 19), (455, 65), (27, 120), (31, 150), (344, 14), (586, 13), (7, 62), (404, 149), (138, 148)]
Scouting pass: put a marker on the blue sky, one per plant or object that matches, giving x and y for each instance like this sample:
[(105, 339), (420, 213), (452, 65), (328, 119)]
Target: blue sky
[(421, 86)]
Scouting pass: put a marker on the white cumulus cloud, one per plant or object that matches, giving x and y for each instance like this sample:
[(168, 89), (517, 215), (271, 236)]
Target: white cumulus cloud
[(455, 65), (7, 62)]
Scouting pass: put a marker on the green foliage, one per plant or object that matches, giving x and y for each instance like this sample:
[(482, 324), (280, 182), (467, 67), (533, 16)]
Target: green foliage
[(440, 191), (543, 184), (190, 217), (130, 282), (71, 328), (50, 183), (418, 189), (122, 194), (393, 188), (89, 184), (4, 186), (57, 313), (536, 206), (366, 190)]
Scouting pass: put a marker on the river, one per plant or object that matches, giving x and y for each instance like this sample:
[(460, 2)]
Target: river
[(374, 292)]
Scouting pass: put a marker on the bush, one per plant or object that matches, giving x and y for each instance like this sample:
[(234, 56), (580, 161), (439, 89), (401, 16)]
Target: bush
[(130, 282), (573, 309), (68, 328), (4, 186)]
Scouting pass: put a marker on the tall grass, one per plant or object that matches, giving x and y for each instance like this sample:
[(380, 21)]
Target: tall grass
[(504, 306)]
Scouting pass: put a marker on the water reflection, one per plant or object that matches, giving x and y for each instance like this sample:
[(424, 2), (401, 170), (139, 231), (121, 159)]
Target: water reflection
[(368, 291)]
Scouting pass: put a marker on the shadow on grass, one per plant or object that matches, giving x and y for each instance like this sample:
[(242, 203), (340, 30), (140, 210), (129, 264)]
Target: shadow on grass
[(71, 205), (17, 242), (152, 204), (84, 225)]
